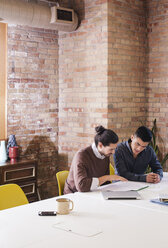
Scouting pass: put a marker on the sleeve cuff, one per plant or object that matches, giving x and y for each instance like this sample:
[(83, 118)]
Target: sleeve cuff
[(95, 183)]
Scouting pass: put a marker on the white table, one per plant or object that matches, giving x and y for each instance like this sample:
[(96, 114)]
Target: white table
[(126, 223)]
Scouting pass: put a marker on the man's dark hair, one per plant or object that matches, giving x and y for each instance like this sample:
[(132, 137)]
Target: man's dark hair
[(144, 133), (105, 136)]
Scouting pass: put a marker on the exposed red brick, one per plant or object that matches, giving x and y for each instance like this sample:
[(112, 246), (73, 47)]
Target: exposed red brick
[(31, 100), (111, 71)]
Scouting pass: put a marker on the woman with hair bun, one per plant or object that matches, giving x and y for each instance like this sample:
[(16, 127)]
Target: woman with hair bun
[(90, 166)]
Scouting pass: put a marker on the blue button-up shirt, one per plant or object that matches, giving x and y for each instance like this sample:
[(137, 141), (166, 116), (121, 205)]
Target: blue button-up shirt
[(134, 168)]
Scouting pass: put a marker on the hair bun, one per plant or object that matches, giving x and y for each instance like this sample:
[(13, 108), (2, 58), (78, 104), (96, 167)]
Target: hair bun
[(100, 129)]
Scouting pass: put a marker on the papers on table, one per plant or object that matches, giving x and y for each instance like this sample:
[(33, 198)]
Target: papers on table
[(160, 187), (124, 186), (78, 228)]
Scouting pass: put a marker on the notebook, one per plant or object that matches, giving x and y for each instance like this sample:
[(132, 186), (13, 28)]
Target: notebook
[(121, 195), (159, 202)]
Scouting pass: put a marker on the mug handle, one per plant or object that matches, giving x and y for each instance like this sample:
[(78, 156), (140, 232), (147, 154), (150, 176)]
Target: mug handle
[(72, 205)]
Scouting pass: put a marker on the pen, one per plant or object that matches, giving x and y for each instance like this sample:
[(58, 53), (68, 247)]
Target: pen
[(143, 188)]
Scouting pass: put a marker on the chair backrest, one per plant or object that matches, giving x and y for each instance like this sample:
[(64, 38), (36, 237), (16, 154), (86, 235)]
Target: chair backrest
[(11, 195), (61, 178), (112, 170)]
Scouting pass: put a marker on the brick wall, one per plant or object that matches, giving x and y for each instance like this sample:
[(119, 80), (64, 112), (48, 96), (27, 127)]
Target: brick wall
[(157, 81), (60, 86), (33, 99), (102, 73), (83, 78), (127, 62)]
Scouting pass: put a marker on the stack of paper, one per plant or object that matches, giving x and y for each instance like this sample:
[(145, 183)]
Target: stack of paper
[(124, 186)]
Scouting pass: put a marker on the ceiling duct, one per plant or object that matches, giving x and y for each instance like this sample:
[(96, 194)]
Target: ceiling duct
[(31, 14)]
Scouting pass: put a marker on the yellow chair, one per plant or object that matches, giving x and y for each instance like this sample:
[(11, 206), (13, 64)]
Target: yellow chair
[(61, 178), (11, 195), (112, 170)]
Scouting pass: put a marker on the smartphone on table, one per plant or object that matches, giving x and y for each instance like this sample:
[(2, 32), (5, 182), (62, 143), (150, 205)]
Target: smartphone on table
[(47, 213)]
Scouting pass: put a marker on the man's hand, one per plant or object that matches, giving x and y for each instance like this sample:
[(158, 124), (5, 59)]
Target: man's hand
[(117, 178), (152, 178), (106, 178)]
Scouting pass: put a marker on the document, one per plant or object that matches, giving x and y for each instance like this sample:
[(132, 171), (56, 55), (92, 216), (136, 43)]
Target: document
[(78, 228), (124, 186)]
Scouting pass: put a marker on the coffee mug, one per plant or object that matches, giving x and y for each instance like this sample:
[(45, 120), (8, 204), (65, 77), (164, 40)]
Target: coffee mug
[(64, 205)]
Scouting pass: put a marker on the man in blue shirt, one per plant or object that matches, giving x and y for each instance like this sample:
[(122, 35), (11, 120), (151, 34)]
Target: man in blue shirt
[(132, 158)]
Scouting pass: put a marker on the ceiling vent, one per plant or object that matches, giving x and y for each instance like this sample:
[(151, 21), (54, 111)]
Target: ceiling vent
[(62, 15), (38, 15)]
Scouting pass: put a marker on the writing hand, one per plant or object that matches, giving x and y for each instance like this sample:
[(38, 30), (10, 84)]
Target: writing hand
[(106, 178), (116, 177)]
